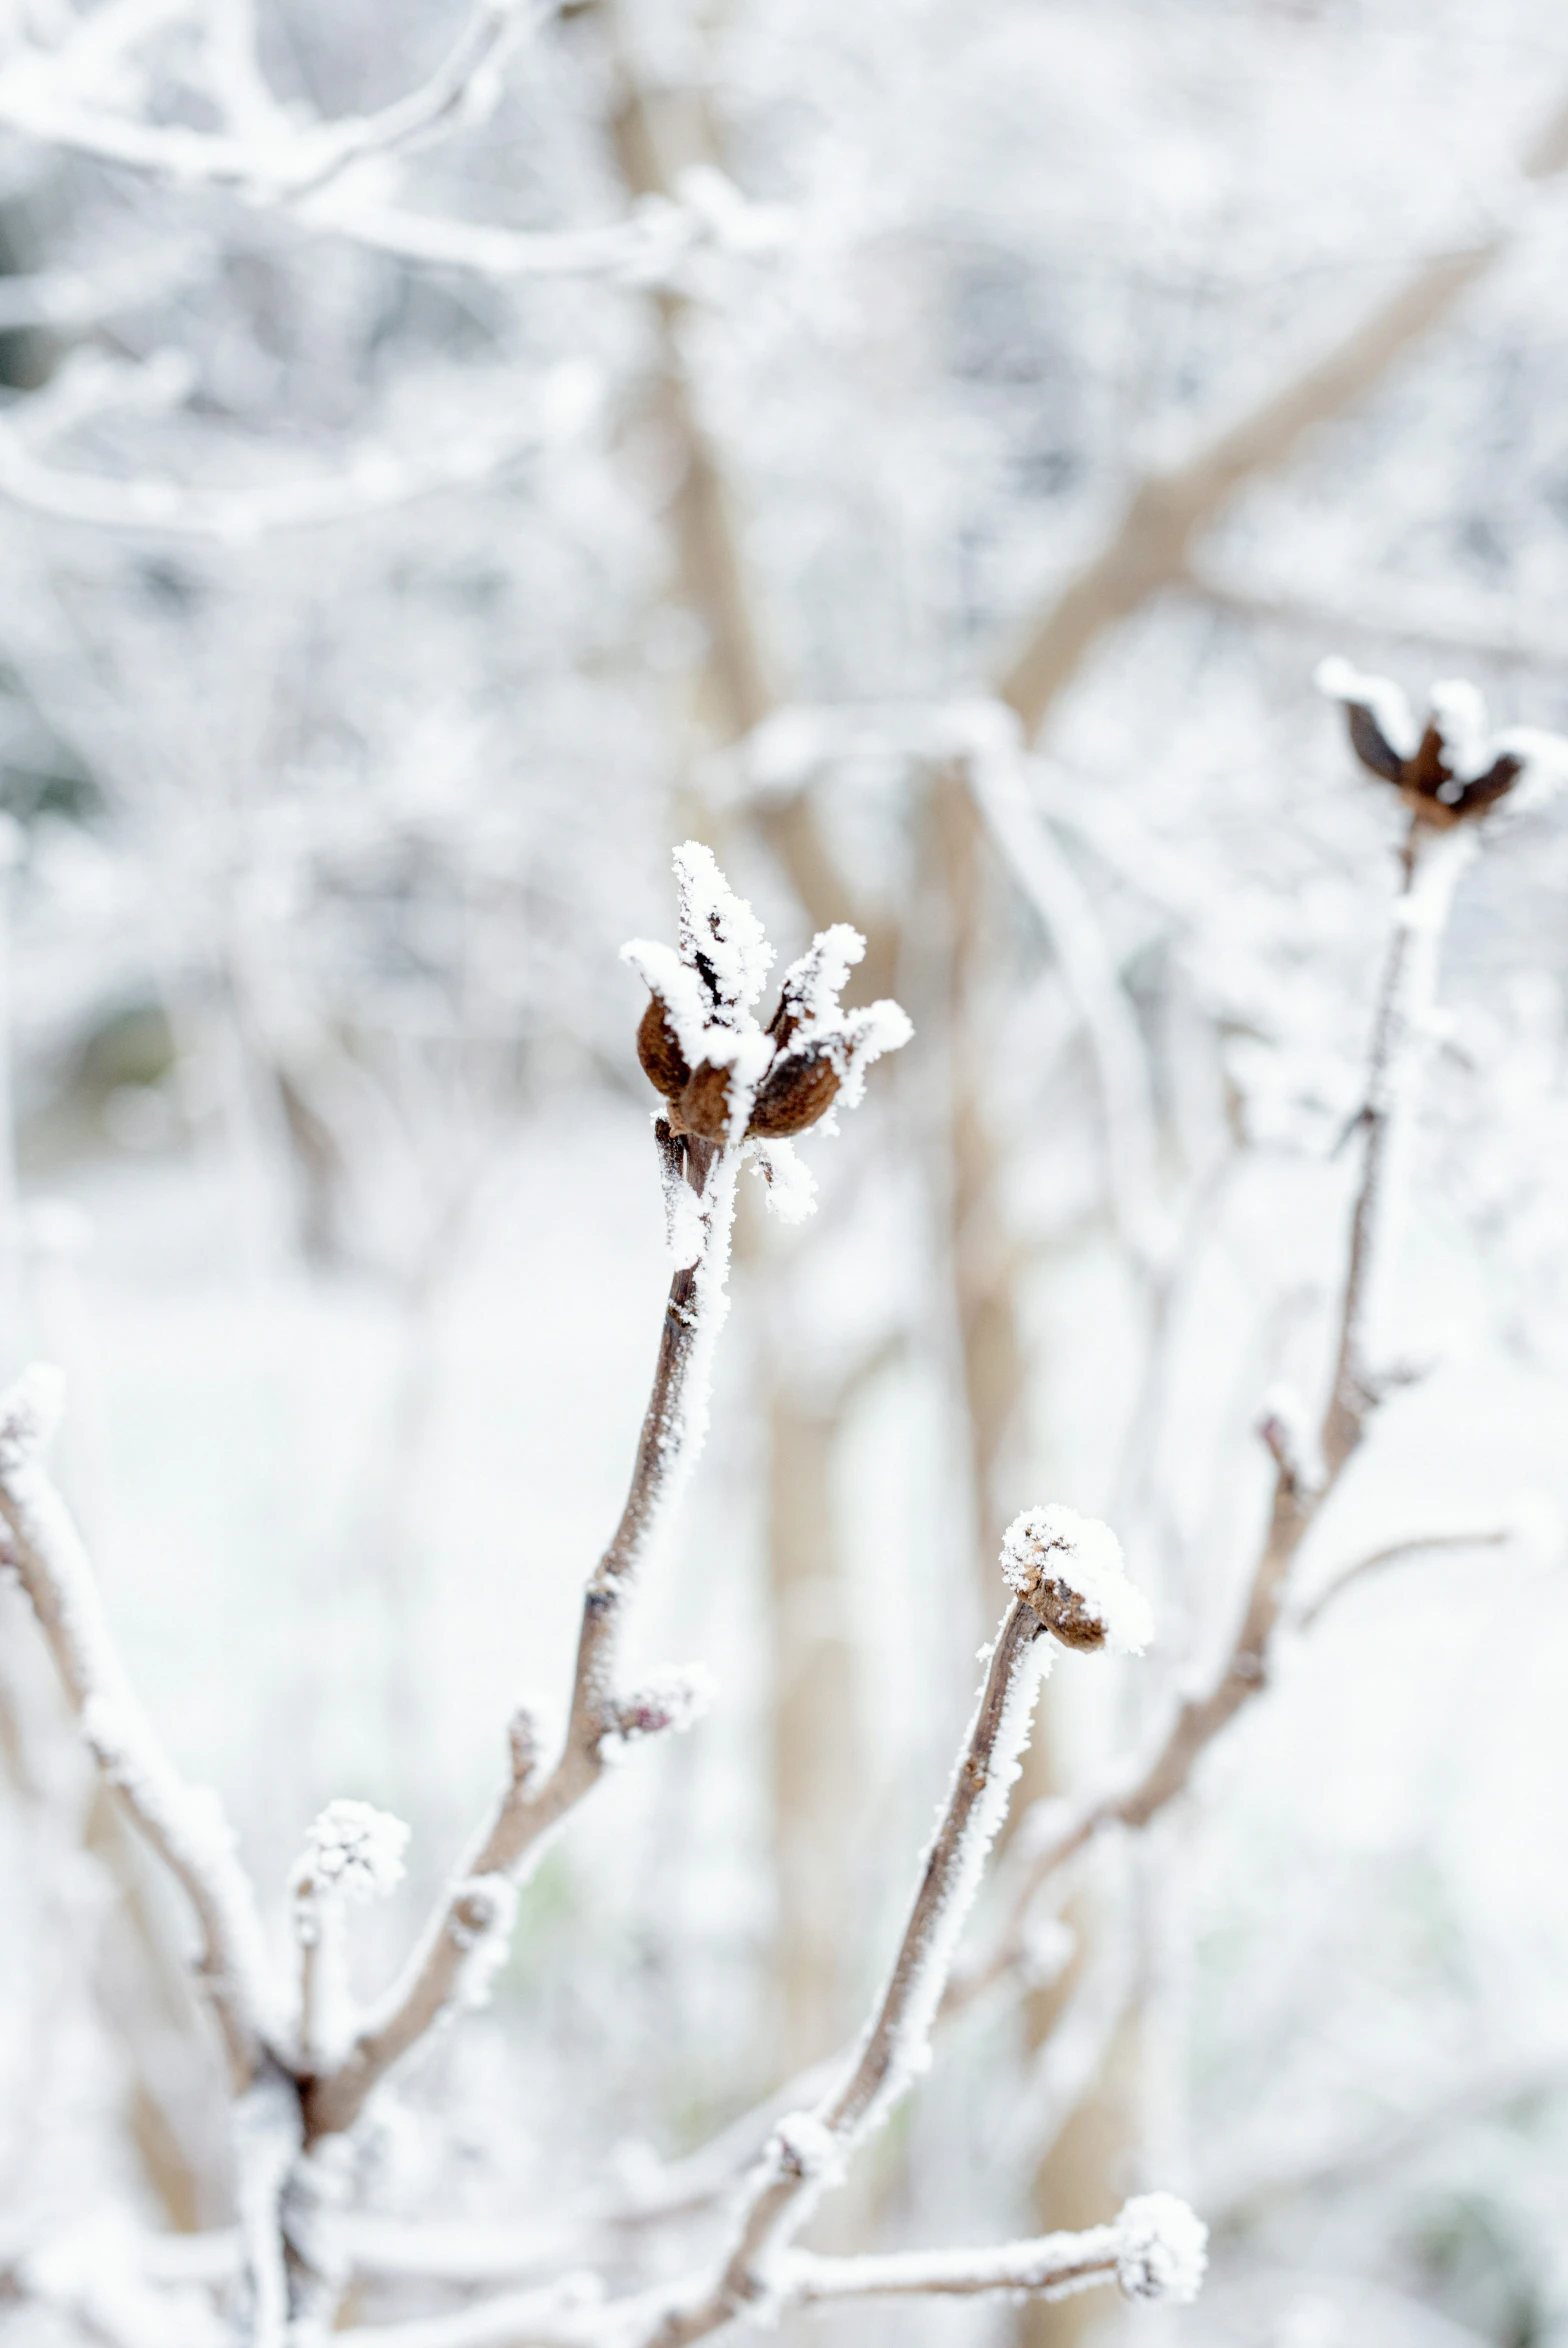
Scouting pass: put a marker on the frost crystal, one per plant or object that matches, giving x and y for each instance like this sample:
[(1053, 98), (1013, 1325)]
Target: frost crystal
[(720, 935), (789, 1185), (353, 1850), (1163, 2250), (1054, 1547)]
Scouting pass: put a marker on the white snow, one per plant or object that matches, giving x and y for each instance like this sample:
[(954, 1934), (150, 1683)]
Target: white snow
[(1057, 1544), (1338, 680), (1163, 2249), (789, 1186), (354, 1851)]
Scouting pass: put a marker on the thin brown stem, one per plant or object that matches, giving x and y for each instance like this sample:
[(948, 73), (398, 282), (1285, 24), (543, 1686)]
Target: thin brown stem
[(530, 1806)]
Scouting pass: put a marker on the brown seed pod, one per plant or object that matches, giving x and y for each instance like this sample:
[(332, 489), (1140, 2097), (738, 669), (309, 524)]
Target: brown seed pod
[(799, 1088), (1065, 1615), (662, 1060), (705, 1102)]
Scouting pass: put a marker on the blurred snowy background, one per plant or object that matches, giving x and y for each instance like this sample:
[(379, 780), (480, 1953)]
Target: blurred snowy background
[(435, 481)]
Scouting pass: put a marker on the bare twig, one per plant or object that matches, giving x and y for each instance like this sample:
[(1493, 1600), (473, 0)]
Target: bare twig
[(1303, 1617), (184, 1826)]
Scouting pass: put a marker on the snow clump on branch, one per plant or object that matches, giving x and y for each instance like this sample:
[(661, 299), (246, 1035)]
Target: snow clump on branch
[(725, 1078), (1163, 2251), (354, 1851), (1069, 1569)]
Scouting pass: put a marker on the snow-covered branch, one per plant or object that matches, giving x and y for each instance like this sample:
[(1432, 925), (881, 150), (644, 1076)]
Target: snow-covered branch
[(1437, 849), (371, 479), (732, 1091), (183, 1824), (1067, 1578)]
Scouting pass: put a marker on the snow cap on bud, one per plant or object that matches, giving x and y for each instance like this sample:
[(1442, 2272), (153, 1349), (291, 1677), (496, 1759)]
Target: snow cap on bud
[(1452, 769), (30, 1411), (354, 1851), (724, 1078), (1068, 1568), (1164, 2249)]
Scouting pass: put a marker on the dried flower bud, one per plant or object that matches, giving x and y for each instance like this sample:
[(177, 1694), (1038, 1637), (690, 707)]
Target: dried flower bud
[(658, 1048), (701, 1046), (798, 1089), (1451, 771), (705, 1103)]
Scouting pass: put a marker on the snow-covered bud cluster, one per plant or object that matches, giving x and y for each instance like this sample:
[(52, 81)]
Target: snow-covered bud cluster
[(1164, 2249), (352, 1851), (1068, 1568), (1453, 767), (30, 1412), (724, 1077)]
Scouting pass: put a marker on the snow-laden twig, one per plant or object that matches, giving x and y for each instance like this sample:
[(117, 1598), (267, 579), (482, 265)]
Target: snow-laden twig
[(372, 478), (469, 1928), (726, 1081), (808, 2150), (266, 2140), (1154, 2250), (47, 96), (1306, 1474), (184, 1824)]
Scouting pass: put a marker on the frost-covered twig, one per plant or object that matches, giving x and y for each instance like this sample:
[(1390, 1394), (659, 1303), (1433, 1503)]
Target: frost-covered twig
[(1155, 2250), (46, 96), (733, 1091), (183, 1824), (1436, 851), (373, 478), (1303, 1617), (1067, 1578)]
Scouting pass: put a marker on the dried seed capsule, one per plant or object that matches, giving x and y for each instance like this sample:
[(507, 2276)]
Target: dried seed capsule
[(799, 1088), (705, 1103), (662, 1060), (1066, 1616)]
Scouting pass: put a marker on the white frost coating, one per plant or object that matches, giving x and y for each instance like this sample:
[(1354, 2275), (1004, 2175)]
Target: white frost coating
[(883, 1026), (720, 930), (1545, 759), (354, 1851), (1338, 680), (684, 1228), (678, 987), (789, 1185), (1164, 2249), (185, 1823), (1056, 1544), (816, 981), (1459, 714), (809, 2148), (911, 2037)]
